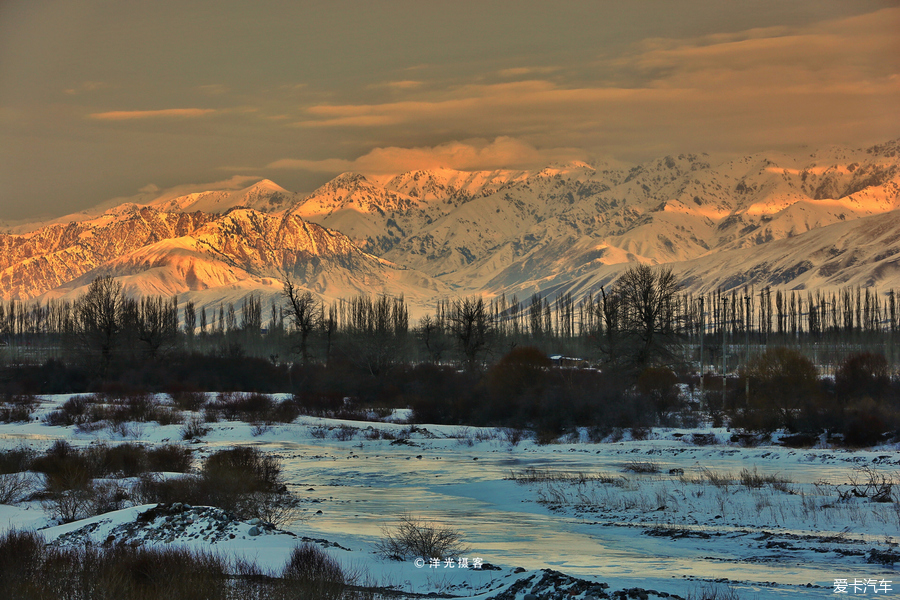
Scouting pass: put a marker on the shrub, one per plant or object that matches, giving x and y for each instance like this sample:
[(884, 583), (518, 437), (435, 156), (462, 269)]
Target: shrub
[(171, 458), (645, 467), (74, 411), (714, 592), (659, 385), (152, 489), (312, 573), (108, 496), (280, 508), (167, 416), (244, 467), (139, 406), (284, 412), (344, 433), (241, 480), (15, 460), (70, 499), (21, 561), (861, 375), (30, 569), (320, 432), (14, 487), (62, 463), (866, 422), (418, 538), (782, 382), (18, 408), (193, 429), (189, 400), (513, 435), (247, 407)]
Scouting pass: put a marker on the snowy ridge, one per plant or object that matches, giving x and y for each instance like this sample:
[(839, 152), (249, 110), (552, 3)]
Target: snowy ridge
[(245, 251), (263, 196), (822, 218)]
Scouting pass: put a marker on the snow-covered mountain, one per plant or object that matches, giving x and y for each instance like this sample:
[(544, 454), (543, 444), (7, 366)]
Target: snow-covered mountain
[(829, 218), (264, 196), (206, 257), (497, 231)]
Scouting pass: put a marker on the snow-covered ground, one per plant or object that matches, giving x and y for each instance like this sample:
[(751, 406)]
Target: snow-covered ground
[(662, 514)]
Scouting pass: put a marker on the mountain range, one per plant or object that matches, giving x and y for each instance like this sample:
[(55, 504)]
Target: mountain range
[(820, 219)]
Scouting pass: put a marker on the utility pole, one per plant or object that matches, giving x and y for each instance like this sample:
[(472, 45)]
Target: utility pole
[(747, 354), (702, 331), (724, 352)]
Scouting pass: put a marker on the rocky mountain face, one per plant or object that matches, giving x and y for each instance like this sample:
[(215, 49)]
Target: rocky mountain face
[(52, 256), (825, 218), (530, 231), (211, 256)]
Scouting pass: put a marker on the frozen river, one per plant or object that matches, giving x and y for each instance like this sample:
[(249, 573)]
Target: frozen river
[(361, 487)]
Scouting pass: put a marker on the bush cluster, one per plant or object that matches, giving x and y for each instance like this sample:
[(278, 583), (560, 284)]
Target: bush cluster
[(522, 390), (177, 373), (17, 408), (71, 489), (91, 411), (30, 569), (252, 408), (242, 480), (102, 460), (861, 407)]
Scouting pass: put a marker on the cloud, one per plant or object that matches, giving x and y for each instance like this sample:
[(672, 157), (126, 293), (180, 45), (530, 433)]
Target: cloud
[(471, 155), (151, 191), (212, 89), (406, 84), (767, 88), (525, 71), (126, 115), (85, 87)]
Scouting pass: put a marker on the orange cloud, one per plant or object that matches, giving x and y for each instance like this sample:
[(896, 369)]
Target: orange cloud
[(473, 155), (526, 71), (831, 82), (85, 87), (125, 115), (405, 84)]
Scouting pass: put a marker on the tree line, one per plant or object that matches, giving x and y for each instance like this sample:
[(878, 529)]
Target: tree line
[(642, 319), (480, 361)]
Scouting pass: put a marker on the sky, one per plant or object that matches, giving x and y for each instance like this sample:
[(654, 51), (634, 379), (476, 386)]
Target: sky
[(111, 99)]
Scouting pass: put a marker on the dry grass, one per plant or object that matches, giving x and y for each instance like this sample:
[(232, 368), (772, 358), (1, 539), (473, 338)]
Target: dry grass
[(532, 475), (642, 467), (414, 537), (754, 480)]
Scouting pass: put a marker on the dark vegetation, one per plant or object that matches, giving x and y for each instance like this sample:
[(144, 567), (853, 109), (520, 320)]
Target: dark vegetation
[(241, 480), (623, 358), (79, 483), (32, 570)]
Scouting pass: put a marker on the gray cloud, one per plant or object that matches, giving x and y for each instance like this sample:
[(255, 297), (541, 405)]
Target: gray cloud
[(98, 98)]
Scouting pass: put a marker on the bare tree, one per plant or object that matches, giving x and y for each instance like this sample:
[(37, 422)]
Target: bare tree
[(329, 324), (304, 312), (647, 299), (433, 336), (190, 318), (97, 319), (157, 323), (471, 328)]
